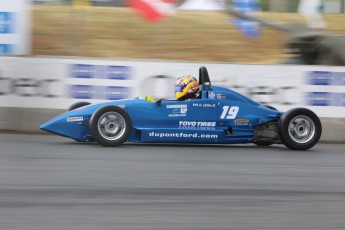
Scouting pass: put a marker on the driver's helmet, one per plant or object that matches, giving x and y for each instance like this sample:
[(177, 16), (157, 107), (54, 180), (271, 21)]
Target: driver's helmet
[(186, 87)]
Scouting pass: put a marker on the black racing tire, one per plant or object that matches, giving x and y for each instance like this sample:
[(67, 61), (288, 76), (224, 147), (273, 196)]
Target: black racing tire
[(299, 129), (78, 105), (110, 126)]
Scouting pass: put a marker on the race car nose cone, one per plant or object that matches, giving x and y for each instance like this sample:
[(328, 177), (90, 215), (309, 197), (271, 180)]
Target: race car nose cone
[(57, 125), (47, 127), (66, 126), (52, 126)]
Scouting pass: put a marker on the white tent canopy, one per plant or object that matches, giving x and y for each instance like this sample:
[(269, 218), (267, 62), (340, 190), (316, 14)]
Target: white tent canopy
[(202, 5)]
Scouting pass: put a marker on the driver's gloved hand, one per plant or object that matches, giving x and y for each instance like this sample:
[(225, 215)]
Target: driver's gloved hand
[(149, 99)]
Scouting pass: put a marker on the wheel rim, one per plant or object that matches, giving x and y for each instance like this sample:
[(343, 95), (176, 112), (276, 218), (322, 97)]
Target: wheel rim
[(111, 126), (301, 129)]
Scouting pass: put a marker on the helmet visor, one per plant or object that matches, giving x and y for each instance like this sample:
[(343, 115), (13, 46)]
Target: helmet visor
[(178, 88)]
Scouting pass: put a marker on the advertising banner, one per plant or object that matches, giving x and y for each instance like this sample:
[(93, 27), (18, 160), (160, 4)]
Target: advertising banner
[(15, 27), (57, 83)]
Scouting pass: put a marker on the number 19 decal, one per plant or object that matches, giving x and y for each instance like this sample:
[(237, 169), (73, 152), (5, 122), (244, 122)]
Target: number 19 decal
[(229, 112)]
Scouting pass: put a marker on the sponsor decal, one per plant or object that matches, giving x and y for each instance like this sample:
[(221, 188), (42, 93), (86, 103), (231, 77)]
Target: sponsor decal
[(179, 110), (205, 105), (242, 122), (71, 119), (176, 106), (178, 113), (221, 96), (183, 135), (211, 95), (197, 124)]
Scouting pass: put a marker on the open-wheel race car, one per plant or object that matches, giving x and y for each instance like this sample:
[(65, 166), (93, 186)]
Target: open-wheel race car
[(219, 116)]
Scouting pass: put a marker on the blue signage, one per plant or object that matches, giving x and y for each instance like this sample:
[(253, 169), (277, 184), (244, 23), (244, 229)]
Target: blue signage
[(7, 24), (116, 93), (98, 92), (325, 99), (6, 48), (326, 78), (82, 91), (118, 72), (319, 98), (100, 72), (96, 73), (83, 71)]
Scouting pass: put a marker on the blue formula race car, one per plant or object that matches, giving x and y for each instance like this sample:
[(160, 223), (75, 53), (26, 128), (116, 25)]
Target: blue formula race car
[(219, 116)]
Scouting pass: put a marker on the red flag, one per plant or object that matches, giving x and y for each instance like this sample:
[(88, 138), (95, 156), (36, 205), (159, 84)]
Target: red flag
[(152, 10)]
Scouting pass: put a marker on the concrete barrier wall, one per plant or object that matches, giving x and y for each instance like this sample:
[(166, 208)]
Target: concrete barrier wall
[(25, 120)]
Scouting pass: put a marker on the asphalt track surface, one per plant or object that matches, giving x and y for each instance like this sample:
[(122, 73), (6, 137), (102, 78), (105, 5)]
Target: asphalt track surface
[(48, 182)]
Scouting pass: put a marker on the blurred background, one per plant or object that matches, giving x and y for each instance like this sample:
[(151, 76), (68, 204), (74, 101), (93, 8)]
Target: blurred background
[(281, 53), (191, 31)]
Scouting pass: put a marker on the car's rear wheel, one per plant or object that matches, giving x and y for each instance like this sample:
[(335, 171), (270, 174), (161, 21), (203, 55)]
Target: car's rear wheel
[(77, 105), (110, 126), (299, 129)]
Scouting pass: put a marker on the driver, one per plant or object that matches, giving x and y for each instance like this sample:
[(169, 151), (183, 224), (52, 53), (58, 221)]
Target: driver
[(187, 88)]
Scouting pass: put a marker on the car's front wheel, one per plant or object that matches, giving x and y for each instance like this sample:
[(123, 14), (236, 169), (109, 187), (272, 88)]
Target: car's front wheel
[(299, 129), (110, 126)]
